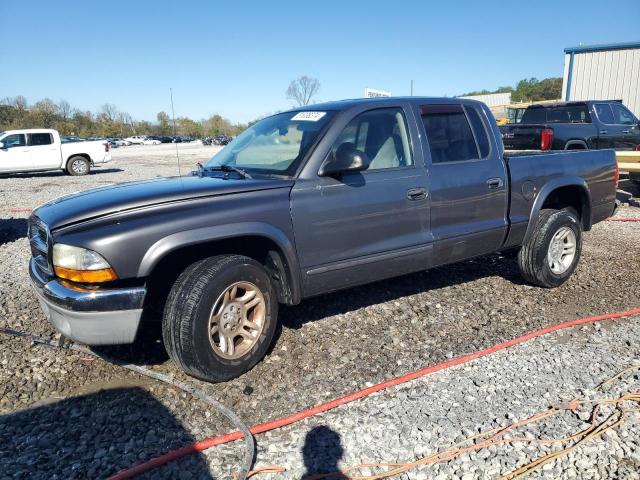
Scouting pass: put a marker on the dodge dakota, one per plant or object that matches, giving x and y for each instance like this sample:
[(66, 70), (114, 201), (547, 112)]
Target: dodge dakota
[(302, 203), (35, 150)]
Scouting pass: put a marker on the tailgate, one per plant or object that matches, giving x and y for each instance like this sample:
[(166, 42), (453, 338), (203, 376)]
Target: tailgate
[(521, 137)]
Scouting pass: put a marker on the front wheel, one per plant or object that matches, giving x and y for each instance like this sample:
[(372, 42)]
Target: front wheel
[(78, 166), (551, 255), (220, 317)]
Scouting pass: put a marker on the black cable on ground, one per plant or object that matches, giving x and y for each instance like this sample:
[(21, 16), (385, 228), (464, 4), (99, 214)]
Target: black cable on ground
[(190, 389)]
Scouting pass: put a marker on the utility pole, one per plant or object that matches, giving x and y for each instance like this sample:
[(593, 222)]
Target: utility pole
[(412, 88)]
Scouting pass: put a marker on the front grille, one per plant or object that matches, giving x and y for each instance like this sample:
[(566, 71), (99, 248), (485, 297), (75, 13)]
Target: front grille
[(40, 241)]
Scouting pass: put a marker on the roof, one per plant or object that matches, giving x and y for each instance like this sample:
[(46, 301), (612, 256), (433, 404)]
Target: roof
[(602, 47), (341, 105), (569, 103)]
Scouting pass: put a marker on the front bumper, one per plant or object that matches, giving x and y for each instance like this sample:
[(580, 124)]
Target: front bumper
[(91, 316)]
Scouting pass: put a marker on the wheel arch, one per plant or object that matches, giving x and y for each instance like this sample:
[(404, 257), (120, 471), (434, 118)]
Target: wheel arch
[(83, 155), (259, 241), (562, 193), (576, 144)]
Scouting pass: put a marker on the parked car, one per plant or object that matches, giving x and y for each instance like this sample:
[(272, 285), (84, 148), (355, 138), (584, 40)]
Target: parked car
[(41, 149), (593, 124), (151, 141), (166, 139), (303, 203), (71, 139), (136, 139), (222, 140), (118, 142)]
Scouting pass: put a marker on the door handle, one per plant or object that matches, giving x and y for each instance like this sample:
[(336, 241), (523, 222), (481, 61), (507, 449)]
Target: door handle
[(625, 131), (603, 132), (417, 193), (494, 183)]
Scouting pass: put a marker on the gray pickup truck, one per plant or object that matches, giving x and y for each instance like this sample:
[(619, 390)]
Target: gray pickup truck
[(303, 203)]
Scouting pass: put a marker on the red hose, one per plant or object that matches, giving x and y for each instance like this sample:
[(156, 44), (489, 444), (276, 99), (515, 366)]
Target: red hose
[(624, 219), (323, 407)]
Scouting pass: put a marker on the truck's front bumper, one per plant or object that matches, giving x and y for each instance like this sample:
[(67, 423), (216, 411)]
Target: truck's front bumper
[(92, 316)]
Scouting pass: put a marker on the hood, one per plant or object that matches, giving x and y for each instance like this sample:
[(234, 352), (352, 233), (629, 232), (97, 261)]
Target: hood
[(102, 201)]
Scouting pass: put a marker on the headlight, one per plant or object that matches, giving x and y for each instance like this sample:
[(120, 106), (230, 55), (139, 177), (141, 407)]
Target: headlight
[(81, 265)]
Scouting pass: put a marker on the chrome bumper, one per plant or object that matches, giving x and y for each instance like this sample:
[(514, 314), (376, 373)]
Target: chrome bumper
[(91, 316)]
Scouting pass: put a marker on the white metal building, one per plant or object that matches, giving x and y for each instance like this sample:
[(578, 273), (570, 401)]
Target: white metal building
[(603, 72), (492, 99)]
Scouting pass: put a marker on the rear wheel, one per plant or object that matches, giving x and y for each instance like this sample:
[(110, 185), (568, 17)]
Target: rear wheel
[(78, 166), (220, 317), (551, 255)]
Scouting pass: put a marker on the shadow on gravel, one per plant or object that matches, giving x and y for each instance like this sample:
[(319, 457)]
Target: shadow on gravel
[(322, 451), (91, 436), (12, 229), (395, 288), (58, 173), (628, 186)]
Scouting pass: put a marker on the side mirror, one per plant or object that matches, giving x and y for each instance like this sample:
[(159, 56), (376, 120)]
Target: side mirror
[(1, 144), (346, 159)]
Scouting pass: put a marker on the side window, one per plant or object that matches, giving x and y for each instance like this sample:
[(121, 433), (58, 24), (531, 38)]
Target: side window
[(15, 140), (622, 116), (479, 130), (449, 134), (40, 139), (604, 113), (534, 115), (382, 135)]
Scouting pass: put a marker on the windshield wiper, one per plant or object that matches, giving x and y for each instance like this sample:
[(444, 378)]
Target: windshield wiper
[(229, 168)]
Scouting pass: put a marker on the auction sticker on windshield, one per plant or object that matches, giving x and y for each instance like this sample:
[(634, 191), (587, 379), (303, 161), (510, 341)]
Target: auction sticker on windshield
[(309, 116)]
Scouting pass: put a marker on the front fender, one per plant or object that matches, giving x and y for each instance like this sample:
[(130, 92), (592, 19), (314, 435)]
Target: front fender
[(172, 242), (546, 190)]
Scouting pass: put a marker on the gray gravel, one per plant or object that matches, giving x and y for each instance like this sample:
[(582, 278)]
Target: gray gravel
[(327, 346), (408, 422)]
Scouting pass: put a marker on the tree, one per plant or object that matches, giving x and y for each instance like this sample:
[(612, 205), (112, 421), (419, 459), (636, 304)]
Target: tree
[(302, 90), (163, 123)]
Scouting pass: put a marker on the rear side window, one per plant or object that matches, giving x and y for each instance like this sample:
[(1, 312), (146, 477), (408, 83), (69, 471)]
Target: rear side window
[(479, 130), (448, 133), (604, 113), (40, 139), (568, 114)]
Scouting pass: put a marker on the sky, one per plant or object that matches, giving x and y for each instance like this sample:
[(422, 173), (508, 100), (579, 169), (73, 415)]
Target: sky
[(237, 58)]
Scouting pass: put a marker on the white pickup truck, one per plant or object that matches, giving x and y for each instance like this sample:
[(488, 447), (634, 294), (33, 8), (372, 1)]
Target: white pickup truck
[(40, 149)]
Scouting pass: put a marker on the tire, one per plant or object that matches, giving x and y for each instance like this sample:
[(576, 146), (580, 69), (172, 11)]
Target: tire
[(198, 293), (78, 166), (546, 265)]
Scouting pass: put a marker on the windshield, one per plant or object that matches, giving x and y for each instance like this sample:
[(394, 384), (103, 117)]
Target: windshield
[(275, 145)]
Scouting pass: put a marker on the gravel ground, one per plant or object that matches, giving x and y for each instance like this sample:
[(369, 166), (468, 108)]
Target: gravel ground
[(327, 346)]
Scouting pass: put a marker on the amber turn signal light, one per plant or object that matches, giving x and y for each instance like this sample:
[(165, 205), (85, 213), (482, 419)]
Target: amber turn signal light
[(86, 276)]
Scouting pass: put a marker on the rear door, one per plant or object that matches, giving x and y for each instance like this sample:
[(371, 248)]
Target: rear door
[(43, 151), (363, 226), (15, 155), (468, 181)]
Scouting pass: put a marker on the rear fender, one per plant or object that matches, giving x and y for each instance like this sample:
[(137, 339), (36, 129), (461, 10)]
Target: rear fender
[(551, 187)]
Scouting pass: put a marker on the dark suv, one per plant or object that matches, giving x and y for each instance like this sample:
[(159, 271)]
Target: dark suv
[(593, 124)]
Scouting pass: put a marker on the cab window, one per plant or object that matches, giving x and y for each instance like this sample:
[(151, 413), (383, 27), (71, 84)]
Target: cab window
[(449, 134), (40, 139), (382, 135), (622, 116), (14, 140)]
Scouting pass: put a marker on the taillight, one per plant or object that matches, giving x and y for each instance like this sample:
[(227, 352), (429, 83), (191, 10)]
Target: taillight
[(637, 149), (546, 139), (616, 174), (106, 147)]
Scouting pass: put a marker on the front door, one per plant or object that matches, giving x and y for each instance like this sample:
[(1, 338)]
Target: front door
[(363, 226), (468, 182), (44, 153), (15, 154)]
